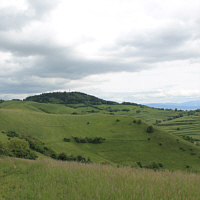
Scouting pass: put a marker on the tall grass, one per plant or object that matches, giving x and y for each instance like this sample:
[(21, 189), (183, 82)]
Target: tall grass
[(49, 179)]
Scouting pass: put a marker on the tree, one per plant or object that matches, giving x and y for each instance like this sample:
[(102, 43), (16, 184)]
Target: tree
[(18, 144), (150, 129), (62, 156)]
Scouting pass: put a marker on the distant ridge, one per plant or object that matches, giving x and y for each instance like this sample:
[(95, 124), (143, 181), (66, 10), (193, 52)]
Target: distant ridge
[(68, 98), (190, 105)]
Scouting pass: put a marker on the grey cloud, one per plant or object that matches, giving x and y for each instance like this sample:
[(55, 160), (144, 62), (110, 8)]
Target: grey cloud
[(29, 84), (42, 7), (48, 59), (162, 44), (14, 19), (45, 59), (11, 19)]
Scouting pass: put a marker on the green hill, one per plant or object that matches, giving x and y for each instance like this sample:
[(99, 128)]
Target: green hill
[(68, 98), (127, 142)]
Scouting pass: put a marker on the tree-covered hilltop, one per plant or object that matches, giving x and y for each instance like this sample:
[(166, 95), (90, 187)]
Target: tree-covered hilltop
[(68, 98)]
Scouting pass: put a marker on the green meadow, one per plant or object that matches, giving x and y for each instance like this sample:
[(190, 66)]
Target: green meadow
[(127, 142), (48, 179), (131, 163)]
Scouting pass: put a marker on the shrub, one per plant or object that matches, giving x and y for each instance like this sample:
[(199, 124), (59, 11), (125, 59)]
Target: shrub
[(19, 144), (88, 160), (139, 164), (24, 154), (158, 121), (150, 129), (117, 120), (12, 134), (80, 158), (139, 121), (62, 156), (153, 165), (66, 139), (160, 164), (95, 140), (126, 110), (74, 113)]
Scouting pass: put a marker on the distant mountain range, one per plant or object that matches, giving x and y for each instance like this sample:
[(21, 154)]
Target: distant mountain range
[(189, 105)]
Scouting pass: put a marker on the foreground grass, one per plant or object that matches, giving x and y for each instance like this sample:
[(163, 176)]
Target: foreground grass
[(49, 179)]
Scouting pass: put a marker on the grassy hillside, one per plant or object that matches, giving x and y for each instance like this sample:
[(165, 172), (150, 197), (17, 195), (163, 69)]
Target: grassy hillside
[(48, 179), (188, 125), (126, 142)]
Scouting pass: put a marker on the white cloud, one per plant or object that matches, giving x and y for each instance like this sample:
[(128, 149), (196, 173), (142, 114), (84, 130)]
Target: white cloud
[(140, 50)]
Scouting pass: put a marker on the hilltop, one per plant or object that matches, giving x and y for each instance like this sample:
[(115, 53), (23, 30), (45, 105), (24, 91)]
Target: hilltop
[(68, 98)]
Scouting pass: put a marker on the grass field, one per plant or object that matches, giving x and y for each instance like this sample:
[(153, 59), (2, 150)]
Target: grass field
[(188, 125), (126, 142), (48, 179)]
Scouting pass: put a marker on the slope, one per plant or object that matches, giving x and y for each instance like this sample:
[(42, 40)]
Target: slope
[(126, 142)]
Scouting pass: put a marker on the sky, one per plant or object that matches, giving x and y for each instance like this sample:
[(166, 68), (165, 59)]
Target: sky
[(137, 51)]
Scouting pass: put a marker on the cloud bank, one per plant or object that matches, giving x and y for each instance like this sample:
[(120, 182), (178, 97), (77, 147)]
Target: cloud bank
[(57, 45)]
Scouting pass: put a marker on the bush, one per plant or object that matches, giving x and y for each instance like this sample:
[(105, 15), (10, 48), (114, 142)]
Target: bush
[(126, 110), (153, 165), (12, 134), (150, 129), (66, 139), (24, 154), (139, 121), (62, 156), (160, 164), (95, 140), (19, 144), (139, 164)]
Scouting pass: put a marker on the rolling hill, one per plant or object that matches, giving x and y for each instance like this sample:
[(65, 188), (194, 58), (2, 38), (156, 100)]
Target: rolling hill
[(127, 141)]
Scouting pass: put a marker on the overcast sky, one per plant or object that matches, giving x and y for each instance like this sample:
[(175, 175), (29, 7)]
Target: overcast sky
[(139, 51)]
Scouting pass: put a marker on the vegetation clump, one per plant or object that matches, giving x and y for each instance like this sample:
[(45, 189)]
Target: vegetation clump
[(12, 134), (190, 139), (150, 129), (95, 140), (66, 139), (68, 98), (16, 147), (33, 143), (79, 158)]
